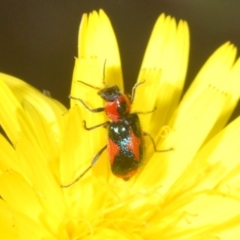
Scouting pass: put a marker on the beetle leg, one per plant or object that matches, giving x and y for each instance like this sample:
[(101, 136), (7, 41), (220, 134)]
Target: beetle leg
[(134, 90), (147, 111), (100, 109), (96, 126), (94, 161), (154, 145)]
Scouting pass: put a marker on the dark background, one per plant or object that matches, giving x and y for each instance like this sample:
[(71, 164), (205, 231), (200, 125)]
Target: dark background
[(38, 39)]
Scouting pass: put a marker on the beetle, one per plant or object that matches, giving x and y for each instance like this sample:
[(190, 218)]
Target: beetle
[(125, 145)]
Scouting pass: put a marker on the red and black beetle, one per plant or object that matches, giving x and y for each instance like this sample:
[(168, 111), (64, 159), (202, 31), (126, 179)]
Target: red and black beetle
[(125, 137)]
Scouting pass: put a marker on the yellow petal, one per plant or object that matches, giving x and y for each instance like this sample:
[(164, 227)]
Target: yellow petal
[(168, 49), (79, 149), (197, 216), (97, 46), (193, 123), (219, 72), (8, 228), (216, 167)]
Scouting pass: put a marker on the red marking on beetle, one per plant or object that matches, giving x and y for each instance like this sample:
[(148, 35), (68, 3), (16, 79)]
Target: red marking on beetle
[(113, 149), (111, 108), (133, 145), (128, 175)]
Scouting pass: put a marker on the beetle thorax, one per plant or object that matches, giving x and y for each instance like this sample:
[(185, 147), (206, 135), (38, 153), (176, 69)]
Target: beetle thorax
[(119, 108)]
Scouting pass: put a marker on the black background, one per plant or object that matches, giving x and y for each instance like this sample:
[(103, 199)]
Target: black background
[(38, 39)]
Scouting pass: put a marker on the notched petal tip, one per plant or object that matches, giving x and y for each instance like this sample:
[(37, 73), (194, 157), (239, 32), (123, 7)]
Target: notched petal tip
[(97, 38), (168, 49)]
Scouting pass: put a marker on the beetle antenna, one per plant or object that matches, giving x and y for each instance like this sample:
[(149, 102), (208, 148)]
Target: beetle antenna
[(98, 88), (104, 73)]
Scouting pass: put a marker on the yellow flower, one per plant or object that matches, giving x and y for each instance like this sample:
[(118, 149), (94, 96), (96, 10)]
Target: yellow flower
[(189, 192)]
